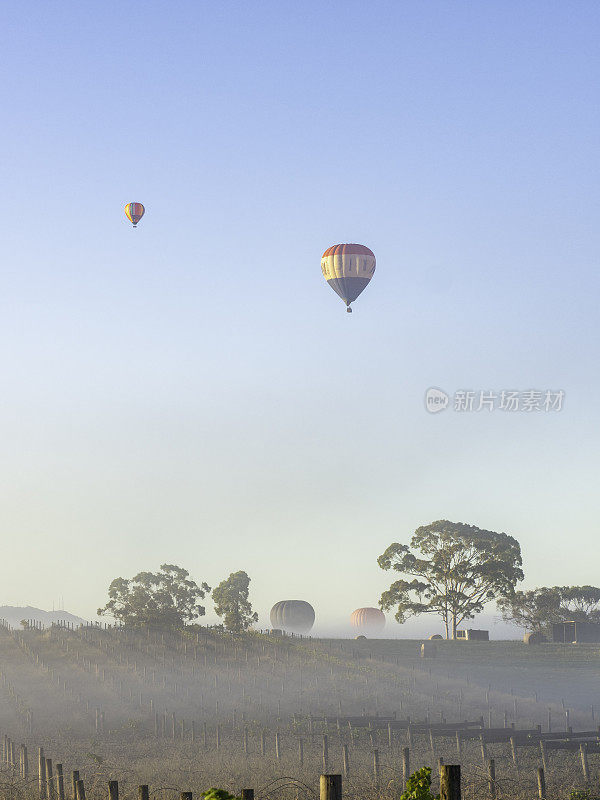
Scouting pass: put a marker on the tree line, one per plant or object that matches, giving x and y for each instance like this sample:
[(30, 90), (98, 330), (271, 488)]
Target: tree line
[(448, 569), (169, 598), (452, 570)]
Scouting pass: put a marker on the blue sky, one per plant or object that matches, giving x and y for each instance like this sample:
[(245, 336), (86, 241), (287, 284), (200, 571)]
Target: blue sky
[(192, 391)]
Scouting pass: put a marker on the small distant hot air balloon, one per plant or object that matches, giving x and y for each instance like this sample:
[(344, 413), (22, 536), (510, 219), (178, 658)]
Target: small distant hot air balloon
[(293, 615), (348, 268), (370, 620), (134, 212)]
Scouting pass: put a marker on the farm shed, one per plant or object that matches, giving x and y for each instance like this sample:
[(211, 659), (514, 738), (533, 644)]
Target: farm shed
[(473, 635), (573, 632)]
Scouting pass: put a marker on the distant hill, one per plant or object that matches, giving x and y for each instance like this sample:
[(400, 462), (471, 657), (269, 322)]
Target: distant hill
[(14, 614)]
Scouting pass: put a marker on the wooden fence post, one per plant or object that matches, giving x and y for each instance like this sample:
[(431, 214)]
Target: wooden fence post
[(492, 778), (80, 788), (143, 793), (513, 750), (376, 767), (346, 760), (541, 783), (543, 755), (42, 774), (247, 794), (60, 782), (483, 750), (113, 790), (325, 751), (584, 761), (49, 782), (450, 782), (74, 779), (405, 765), (330, 787), (185, 796)]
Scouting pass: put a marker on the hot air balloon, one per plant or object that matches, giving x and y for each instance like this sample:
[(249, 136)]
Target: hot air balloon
[(134, 212), (348, 268), (293, 615), (368, 619)]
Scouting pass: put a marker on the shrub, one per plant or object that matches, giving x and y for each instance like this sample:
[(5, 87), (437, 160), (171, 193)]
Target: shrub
[(218, 794), (582, 794), (418, 786)]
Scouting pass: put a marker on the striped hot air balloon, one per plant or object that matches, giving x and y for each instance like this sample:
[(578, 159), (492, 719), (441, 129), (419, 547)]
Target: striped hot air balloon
[(368, 619), (293, 615), (134, 212), (348, 268)]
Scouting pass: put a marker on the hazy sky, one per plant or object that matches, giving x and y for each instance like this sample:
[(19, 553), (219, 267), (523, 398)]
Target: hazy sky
[(192, 391)]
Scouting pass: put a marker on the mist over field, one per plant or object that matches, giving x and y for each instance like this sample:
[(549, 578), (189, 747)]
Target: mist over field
[(211, 708)]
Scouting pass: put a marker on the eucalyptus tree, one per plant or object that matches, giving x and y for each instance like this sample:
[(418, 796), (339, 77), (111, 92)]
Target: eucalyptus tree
[(450, 569)]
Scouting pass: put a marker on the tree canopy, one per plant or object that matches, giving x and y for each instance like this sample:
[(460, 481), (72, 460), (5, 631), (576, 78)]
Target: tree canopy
[(537, 609), (581, 603), (455, 571), (164, 599), (231, 602)]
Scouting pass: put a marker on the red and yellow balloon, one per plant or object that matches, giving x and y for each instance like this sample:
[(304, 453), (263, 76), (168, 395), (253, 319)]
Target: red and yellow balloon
[(134, 212)]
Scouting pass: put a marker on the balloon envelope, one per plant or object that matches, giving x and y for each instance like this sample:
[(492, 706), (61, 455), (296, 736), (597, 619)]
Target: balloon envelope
[(348, 268), (368, 619), (134, 212), (293, 615)]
